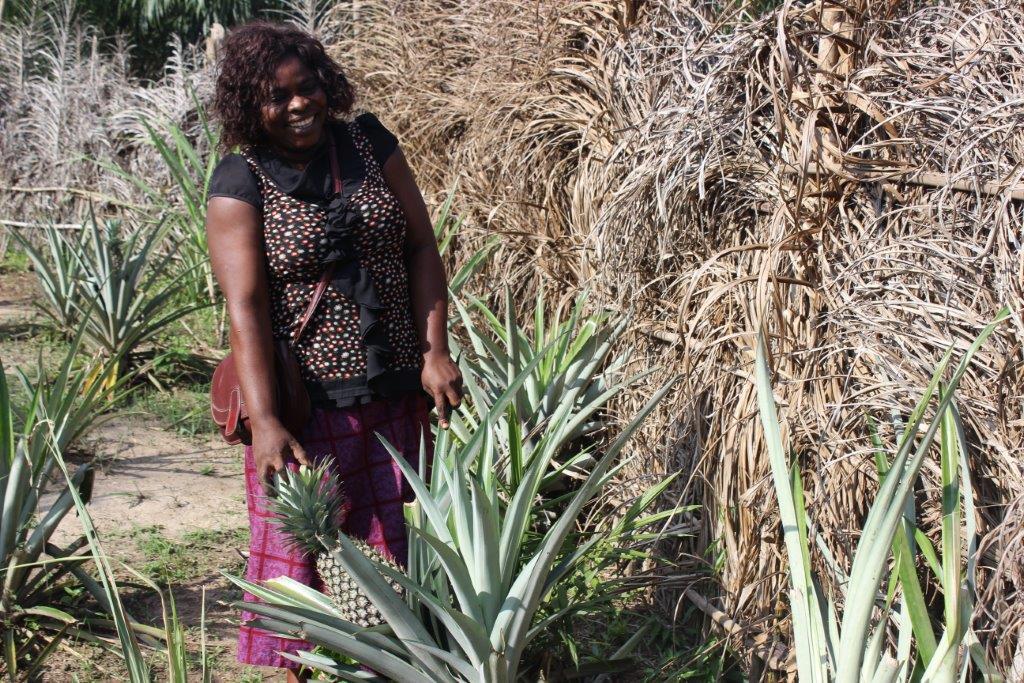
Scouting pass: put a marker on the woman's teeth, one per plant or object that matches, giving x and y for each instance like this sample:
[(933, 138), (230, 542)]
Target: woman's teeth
[(302, 125)]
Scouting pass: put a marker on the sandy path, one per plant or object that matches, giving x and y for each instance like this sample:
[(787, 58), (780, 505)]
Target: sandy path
[(147, 476)]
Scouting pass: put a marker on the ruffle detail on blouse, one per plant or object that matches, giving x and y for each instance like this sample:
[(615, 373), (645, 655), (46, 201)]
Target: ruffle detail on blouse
[(353, 280)]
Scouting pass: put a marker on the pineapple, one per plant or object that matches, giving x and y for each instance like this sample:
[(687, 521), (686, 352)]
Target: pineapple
[(308, 505)]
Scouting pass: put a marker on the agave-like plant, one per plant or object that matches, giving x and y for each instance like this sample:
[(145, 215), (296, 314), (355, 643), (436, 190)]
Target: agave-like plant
[(62, 404), (482, 558), (67, 401), (566, 367), (123, 293), (131, 633), (131, 299), (184, 206), (60, 273), (191, 174), (31, 588), (446, 230), (569, 364), (855, 649)]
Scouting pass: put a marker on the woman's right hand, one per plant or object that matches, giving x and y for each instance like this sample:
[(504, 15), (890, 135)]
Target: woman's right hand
[(273, 447)]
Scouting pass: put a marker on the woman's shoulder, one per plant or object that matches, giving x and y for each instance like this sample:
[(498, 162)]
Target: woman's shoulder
[(381, 138), (232, 177), (363, 117), (232, 164)]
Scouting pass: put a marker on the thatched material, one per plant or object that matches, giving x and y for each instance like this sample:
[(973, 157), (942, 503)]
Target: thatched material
[(844, 176)]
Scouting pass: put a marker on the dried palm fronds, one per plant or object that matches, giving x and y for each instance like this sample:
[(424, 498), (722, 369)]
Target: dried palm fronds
[(845, 173)]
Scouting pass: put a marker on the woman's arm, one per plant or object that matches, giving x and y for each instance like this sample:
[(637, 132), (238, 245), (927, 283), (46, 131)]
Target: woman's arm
[(234, 236), (428, 289)]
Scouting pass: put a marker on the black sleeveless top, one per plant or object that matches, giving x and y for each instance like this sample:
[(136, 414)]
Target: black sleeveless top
[(361, 343)]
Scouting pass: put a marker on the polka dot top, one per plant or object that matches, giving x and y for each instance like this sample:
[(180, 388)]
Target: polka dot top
[(333, 352)]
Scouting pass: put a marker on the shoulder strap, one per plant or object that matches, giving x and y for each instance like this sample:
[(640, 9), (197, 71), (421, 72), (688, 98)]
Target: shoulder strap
[(325, 279), (318, 294), (247, 154)]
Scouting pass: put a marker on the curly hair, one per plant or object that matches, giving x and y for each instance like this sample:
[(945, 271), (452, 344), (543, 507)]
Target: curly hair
[(249, 56)]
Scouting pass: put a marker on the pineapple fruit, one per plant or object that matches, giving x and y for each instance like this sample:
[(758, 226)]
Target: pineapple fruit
[(308, 506)]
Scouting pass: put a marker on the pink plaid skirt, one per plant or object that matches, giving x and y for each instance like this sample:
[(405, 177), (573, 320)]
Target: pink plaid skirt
[(373, 484)]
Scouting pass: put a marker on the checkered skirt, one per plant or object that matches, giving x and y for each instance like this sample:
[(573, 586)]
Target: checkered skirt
[(373, 484)]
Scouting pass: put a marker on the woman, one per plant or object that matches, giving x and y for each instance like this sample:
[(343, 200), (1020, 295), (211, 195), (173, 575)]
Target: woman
[(374, 355)]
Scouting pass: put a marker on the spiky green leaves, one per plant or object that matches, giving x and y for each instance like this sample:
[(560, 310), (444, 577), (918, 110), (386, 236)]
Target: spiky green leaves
[(308, 505)]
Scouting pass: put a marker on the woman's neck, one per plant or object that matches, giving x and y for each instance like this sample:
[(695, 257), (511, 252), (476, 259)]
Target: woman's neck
[(300, 158)]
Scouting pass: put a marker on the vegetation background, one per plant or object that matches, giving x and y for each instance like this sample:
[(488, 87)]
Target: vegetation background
[(846, 175)]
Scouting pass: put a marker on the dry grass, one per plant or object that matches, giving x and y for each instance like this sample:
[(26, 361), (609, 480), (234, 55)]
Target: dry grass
[(69, 102), (847, 176)]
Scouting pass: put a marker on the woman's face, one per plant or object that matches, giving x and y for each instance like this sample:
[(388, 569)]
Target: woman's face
[(295, 110)]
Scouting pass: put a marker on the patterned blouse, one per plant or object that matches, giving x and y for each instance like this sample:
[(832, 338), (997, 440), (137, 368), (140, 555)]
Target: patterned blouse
[(361, 343)]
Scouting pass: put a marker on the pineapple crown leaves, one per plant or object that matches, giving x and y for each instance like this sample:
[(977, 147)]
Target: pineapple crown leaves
[(309, 506)]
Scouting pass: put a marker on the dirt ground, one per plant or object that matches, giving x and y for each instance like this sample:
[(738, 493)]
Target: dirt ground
[(170, 506)]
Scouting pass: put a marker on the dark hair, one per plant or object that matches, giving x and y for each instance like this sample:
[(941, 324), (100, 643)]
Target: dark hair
[(248, 58)]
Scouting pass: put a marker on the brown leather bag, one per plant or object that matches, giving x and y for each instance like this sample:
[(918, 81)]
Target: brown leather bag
[(227, 405)]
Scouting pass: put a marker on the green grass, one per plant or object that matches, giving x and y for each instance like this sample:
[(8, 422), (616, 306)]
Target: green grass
[(14, 261), (174, 561), (184, 410), (178, 386)]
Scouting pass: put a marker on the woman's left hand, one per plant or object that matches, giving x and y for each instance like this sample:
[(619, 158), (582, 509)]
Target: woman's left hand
[(442, 379)]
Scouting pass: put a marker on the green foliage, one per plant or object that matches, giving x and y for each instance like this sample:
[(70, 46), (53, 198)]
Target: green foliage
[(111, 281), (106, 590), (149, 25), (570, 374), (446, 231), (684, 653), (14, 261), (34, 622), (66, 401), (169, 561), (307, 504), (60, 273), (562, 364), (183, 204), (177, 656), (132, 634), (855, 650), (485, 552), (183, 410), (62, 404)]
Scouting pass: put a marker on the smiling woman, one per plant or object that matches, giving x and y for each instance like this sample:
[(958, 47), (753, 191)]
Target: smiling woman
[(319, 237), (298, 128)]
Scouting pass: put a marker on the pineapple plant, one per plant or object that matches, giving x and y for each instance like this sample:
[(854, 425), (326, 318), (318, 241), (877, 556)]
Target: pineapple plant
[(309, 507)]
